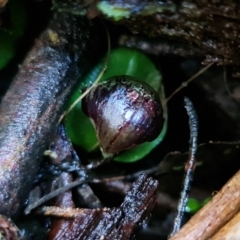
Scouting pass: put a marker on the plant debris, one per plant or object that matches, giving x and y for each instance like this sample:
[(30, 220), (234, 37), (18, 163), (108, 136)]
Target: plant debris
[(116, 223)]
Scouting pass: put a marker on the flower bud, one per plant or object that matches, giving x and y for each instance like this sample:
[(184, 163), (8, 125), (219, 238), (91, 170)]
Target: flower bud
[(125, 112)]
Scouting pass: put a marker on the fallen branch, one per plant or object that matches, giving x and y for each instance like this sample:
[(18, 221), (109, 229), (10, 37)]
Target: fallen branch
[(34, 103)]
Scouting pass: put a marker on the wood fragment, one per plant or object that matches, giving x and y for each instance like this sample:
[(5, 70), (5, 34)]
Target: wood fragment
[(115, 223), (205, 223)]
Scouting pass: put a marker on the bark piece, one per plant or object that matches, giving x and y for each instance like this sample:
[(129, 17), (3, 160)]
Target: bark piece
[(116, 223), (32, 106)]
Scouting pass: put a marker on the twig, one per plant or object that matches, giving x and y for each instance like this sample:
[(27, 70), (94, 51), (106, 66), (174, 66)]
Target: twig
[(185, 84), (189, 167), (61, 190)]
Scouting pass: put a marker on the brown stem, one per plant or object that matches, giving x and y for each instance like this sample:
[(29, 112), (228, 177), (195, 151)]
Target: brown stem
[(33, 104)]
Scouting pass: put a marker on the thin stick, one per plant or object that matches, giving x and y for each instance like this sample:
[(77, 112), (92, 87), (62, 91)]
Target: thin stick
[(184, 84), (53, 194), (61, 190), (189, 166), (95, 82)]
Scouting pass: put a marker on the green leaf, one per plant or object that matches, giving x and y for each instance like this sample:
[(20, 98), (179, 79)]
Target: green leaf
[(192, 206)]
